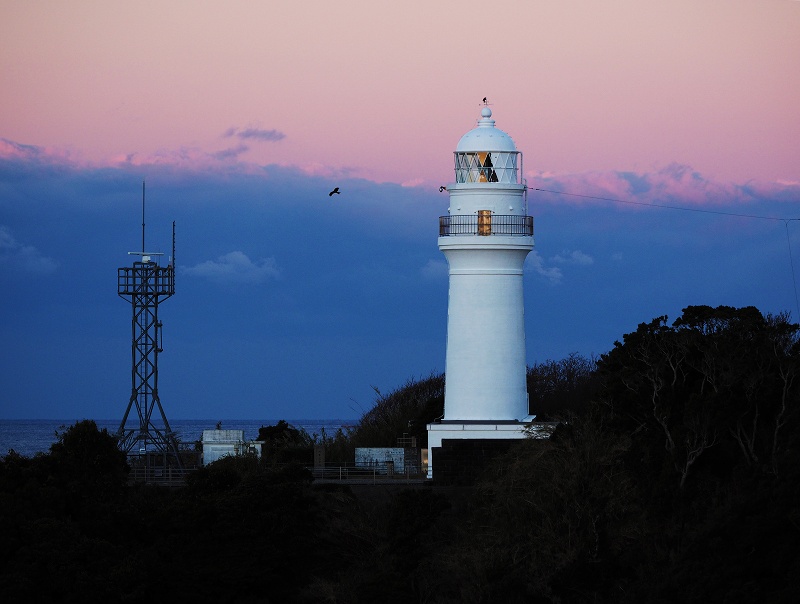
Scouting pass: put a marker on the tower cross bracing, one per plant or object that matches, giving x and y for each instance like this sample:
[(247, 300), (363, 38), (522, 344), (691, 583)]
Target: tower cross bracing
[(147, 441), (145, 285)]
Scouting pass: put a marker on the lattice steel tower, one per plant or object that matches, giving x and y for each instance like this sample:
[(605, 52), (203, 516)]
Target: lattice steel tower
[(145, 285)]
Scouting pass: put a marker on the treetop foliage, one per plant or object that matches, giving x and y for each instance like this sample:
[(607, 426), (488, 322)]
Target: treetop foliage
[(406, 410), (716, 376), (557, 387), (677, 480), (674, 474)]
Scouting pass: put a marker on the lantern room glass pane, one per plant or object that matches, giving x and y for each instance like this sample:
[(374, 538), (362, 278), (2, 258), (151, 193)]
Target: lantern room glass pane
[(483, 166)]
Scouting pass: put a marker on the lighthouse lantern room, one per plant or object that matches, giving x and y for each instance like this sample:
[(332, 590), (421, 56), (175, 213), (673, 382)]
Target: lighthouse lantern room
[(485, 237)]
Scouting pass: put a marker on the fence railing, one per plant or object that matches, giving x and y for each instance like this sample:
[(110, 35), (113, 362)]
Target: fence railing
[(159, 475), (485, 223), (374, 473)]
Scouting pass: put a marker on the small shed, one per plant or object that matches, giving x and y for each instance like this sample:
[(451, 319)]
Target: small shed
[(386, 460), (219, 443)]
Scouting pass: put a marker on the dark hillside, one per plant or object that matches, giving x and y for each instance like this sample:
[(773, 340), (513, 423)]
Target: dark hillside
[(673, 476), (406, 410)]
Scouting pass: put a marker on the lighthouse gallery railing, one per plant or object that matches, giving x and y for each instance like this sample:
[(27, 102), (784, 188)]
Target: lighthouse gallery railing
[(485, 224)]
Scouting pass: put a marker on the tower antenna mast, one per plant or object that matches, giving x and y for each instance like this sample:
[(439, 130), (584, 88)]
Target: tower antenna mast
[(143, 217), (148, 440)]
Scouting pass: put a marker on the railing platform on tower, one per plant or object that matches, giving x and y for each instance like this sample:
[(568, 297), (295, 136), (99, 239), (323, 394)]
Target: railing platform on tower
[(146, 278), (481, 224)]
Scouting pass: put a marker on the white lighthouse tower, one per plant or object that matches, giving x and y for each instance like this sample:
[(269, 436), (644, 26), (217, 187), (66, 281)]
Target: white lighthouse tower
[(486, 236)]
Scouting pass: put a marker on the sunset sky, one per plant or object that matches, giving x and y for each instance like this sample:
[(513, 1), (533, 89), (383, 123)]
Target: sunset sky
[(241, 116)]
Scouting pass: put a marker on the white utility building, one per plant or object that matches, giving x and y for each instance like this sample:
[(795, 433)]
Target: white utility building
[(227, 443), (485, 237)]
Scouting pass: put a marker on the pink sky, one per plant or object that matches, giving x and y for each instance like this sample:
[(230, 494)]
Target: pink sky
[(384, 90)]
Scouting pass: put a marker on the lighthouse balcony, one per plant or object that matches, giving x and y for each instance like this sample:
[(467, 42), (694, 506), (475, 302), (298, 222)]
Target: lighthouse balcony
[(485, 223)]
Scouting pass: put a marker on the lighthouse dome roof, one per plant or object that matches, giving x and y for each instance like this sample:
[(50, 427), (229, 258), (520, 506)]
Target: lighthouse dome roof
[(485, 137)]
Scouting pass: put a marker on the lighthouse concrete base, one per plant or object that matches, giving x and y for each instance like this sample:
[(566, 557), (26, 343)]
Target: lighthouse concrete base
[(446, 431)]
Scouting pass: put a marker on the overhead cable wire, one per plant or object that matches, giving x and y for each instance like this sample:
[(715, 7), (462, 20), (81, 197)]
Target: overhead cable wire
[(664, 206), (791, 263), (785, 221)]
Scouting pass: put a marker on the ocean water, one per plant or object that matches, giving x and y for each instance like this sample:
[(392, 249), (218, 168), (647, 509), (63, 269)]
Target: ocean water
[(30, 436)]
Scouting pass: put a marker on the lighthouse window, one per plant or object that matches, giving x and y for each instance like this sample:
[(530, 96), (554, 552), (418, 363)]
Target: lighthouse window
[(486, 166), (488, 174)]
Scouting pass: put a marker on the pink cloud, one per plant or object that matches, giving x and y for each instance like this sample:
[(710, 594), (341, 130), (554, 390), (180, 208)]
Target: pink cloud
[(35, 153), (676, 184), (10, 149)]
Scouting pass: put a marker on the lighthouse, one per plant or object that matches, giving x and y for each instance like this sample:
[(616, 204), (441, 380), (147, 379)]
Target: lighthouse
[(485, 237)]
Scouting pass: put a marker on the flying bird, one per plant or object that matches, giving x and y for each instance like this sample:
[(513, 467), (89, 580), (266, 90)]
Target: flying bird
[(484, 100), (336, 190), (442, 188)]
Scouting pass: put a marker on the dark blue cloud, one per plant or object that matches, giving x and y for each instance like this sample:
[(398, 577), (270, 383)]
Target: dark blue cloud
[(292, 304), (231, 152)]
